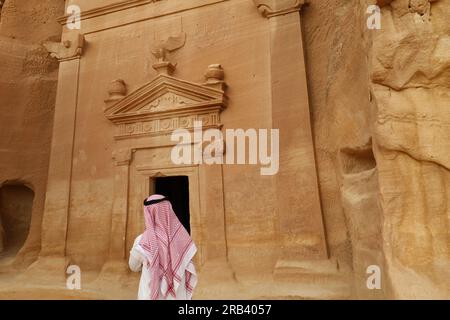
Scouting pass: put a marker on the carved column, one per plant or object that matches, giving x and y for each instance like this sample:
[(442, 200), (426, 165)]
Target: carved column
[(119, 216), (301, 230), (54, 224)]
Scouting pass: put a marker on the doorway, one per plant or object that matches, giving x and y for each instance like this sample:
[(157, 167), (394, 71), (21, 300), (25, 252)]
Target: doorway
[(176, 188)]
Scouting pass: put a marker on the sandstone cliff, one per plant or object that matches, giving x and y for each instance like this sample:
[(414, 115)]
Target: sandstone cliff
[(27, 94)]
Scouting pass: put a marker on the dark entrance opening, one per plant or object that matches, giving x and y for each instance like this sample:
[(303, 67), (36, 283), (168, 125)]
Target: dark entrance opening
[(16, 203), (177, 190)]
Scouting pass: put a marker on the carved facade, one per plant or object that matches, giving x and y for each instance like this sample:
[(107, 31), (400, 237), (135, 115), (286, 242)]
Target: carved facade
[(139, 116)]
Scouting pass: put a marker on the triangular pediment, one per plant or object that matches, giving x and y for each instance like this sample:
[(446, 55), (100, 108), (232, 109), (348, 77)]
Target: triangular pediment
[(163, 96)]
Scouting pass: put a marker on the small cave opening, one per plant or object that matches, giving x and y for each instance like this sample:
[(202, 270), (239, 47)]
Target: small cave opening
[(16, 203)]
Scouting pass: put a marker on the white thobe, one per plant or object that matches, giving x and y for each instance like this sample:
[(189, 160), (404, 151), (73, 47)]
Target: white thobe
[(137, 263)]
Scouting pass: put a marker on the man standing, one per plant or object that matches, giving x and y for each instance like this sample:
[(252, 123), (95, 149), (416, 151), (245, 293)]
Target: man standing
[(164, 253)]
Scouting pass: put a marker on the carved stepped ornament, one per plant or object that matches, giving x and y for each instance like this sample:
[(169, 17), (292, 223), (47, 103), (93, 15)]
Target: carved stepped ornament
[(167, 103)]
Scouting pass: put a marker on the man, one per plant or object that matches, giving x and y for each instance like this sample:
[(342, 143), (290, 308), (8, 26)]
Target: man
[(164, 253)]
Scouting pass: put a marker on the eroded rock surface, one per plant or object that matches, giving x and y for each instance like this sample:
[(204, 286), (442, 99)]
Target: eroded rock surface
[(411, 79)]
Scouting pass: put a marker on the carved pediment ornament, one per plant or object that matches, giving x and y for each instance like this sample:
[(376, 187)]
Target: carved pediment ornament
[(158, 174), (117, 90), (161, 50), (167, 103), (70, 48), (272, 8)]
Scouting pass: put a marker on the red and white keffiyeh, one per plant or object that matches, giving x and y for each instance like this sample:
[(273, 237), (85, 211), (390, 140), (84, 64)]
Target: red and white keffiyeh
[(169, 250)]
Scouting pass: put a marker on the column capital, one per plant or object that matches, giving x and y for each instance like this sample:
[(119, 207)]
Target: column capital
[(122, 157), (273, 8), (71, 47)]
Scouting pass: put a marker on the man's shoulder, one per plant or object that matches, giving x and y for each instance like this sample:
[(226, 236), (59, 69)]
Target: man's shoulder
[(137, 240)]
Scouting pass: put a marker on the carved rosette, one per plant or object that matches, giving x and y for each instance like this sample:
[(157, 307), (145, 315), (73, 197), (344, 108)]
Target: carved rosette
[(273, 8)]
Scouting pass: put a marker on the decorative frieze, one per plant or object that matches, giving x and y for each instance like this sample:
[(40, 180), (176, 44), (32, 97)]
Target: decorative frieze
[(166, 126)]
